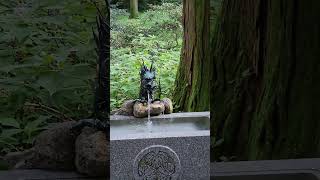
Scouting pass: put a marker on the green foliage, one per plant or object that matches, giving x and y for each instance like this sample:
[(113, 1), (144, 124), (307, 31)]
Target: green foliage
[(143, 5), (47, 66), (16, 133), (156, 35)]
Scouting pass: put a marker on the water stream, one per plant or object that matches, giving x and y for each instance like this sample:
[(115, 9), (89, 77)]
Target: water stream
[(149, 122)]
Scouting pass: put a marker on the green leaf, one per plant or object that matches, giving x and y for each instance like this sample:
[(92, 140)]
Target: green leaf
[(218, 143), (4, 165), (36, 123), (28, 140), (79, 71), (9, 68), (9, 122), (48, 59), (51, 81), (8, 133)]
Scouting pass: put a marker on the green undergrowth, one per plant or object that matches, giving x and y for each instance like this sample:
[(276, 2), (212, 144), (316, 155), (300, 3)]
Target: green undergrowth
[(47, 66), (155, 36)]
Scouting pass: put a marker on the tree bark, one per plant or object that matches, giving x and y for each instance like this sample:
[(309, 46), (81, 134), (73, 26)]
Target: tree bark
[(265, 95), (192, 86), (133, 8)]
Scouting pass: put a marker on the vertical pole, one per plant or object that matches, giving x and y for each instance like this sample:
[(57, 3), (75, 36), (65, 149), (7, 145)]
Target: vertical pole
[(133, 8)]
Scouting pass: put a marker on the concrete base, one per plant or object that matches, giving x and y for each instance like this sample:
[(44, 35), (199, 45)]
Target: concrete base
[(172, 155), (290, 169)]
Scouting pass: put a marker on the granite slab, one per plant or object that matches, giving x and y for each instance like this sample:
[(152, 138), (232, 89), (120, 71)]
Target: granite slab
[(181, 154)]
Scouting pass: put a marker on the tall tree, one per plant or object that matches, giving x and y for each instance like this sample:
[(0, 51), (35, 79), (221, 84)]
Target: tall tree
[(265, 91), (133, 8), (192, 82)]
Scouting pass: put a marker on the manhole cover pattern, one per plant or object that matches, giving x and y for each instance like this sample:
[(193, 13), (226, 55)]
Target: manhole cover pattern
[(156, 162)]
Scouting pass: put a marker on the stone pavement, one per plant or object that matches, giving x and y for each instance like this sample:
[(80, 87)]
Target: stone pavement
[(36, 174)]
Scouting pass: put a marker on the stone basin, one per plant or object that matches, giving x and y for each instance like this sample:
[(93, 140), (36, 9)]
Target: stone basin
[(164, 125), (177, 148)]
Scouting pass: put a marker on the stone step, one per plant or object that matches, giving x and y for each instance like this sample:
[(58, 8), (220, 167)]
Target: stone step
[(290, 169), (36, 174)]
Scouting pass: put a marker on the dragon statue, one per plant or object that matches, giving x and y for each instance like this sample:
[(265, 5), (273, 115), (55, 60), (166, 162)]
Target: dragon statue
[(147, 83)]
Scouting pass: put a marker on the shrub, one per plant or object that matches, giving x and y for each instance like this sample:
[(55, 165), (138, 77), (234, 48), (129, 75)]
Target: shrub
[(47, 66), (155, 36)]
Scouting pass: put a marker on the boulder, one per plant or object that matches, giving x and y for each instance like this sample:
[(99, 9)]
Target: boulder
[(92, 153), (14, 158), (53, 149), (126, 108), (157, 107), (168, 105), (140, 110)]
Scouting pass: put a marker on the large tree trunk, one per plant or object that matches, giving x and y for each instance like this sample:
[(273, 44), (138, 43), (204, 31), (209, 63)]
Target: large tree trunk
[(192, 82), (133, 8), (265, 95)]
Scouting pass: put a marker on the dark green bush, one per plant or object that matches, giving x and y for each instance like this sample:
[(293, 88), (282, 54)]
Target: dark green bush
[(143, 4), (47, 66), (157, 31)]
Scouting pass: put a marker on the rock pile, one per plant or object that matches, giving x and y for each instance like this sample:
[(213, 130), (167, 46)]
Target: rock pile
[(60, 148), (140, 109)]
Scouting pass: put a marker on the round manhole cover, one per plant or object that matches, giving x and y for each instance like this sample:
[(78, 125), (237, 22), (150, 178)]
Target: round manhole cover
[(156, 162)]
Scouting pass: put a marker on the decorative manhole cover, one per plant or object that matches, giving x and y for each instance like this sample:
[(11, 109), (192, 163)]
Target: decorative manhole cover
[(156, 163)]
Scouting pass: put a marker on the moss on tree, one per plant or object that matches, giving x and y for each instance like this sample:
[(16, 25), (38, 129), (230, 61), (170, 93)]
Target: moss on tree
[(192, 82), (265, 90)]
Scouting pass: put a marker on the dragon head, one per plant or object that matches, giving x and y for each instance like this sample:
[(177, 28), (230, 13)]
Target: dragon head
[(147, 81)]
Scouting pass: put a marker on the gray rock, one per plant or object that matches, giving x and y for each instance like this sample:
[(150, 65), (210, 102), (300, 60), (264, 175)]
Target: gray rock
[(157, 108), (140, 110), (14, 158), (126, 108), (92, 153), (53, 149), (168, 105)]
